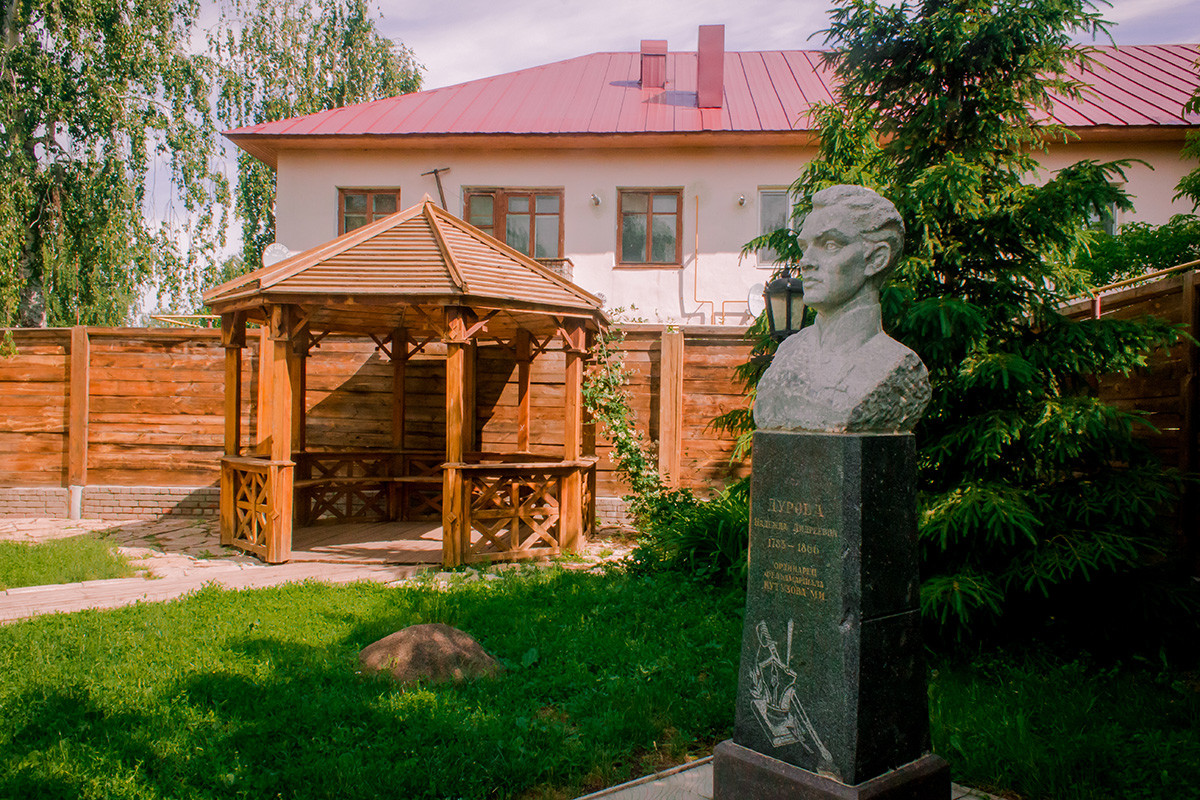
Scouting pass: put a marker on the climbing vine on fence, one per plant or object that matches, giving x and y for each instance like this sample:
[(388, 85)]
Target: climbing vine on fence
[(606, 398)]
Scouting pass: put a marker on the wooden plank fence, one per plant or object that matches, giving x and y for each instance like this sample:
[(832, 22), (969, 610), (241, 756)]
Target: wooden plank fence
[(1166, 391), (145, 406)]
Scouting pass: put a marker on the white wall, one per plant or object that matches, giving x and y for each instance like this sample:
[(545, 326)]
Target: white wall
[(711, 288), (1151, 185)]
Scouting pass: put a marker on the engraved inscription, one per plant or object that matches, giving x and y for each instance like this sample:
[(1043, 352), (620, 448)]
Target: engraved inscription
[(795, 580), (791, 507), (811, 518)]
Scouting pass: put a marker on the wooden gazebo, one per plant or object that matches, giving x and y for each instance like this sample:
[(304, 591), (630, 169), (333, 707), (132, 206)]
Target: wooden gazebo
[(415, 282)]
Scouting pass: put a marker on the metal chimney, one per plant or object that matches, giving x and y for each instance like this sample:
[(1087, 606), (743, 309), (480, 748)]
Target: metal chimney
[(654, 63), (710, 66)]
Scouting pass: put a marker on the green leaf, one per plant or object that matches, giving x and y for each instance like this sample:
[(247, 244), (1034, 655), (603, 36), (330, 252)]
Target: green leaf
[(530, 658)]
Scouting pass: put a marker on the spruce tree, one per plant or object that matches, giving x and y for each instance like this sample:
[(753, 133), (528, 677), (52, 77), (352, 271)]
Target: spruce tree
[(1032, 490), (1189, 184)]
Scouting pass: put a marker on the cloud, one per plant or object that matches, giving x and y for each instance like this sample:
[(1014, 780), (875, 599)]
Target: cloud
[(459, 41)]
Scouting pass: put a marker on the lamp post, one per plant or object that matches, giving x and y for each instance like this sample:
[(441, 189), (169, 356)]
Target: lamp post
[(784, 298)]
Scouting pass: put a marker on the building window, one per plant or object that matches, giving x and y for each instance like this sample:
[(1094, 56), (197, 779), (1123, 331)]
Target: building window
[(774, 212), (358, 207), (1103, 220), (527, 220), (649, 226)]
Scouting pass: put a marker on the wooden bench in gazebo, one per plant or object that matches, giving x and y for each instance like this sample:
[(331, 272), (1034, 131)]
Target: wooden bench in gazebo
[(420, 284)]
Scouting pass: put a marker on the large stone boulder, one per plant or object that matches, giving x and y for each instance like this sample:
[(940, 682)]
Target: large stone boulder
[(434, 652)]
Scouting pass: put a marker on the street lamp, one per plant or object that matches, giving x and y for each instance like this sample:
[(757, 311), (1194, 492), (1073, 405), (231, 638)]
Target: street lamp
[(784, 298)]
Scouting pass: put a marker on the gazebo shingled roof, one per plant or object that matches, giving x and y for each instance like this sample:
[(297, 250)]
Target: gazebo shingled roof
[(423, 256)]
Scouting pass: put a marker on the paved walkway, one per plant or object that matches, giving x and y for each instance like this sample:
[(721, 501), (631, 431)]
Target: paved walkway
[(694, 781), (176, 556)]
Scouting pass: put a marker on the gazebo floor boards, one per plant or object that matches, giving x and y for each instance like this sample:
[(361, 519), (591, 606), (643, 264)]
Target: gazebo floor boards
[(370, 543), (389, 543)]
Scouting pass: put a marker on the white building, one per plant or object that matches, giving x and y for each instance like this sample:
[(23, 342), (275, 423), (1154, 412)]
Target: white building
[(579, 159)]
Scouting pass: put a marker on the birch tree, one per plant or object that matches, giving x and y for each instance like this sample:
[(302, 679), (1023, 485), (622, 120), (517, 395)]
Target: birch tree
[(280, 59), (93, 93)]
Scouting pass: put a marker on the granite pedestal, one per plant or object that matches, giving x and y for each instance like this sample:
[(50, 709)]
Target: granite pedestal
[(831, 690)]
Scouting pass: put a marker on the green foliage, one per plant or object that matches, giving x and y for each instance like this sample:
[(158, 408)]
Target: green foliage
[(92, 92), (1036, 726), (1140, 248), (678, 530), (1189, 185), (706, 539), (1030, 488), (280, 59), (76, 558), (258, 693), (606, 399)]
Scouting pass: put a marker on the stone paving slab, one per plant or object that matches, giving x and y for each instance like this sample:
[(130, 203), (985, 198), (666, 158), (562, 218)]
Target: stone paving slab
[(173, 557), (177, 556), (694, 781), (31, 601)]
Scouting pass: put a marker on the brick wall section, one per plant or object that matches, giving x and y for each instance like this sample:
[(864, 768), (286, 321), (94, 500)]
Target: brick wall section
[(150, 502), (113, 502), (42, 502), (612, 512)]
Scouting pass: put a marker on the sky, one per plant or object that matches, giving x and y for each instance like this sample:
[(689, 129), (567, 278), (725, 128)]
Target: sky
[(460, 40)]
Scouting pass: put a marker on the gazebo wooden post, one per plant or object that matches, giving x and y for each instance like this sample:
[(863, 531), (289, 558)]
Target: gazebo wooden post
[(589, 453), (571, 503), (299, 379), (524, 401), (399, 366), (285, 385), (397, 495), (262, 417), (455, 530), (233, 339), (470, 423), (300, 345)]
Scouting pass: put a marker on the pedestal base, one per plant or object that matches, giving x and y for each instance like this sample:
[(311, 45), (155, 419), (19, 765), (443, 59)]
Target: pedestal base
[(743, 774)]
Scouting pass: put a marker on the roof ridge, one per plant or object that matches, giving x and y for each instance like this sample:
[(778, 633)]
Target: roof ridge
[(430, 212), (522, 258)]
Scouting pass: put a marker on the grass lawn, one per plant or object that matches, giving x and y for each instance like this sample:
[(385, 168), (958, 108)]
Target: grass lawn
[(1035, 727), (255, 694), (86, 557)]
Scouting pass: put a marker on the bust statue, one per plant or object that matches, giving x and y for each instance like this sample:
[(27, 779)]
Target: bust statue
[(844, 373)]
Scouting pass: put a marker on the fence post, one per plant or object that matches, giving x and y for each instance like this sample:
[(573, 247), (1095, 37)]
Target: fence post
[(1191, 398), (77, 426), (670, 408)]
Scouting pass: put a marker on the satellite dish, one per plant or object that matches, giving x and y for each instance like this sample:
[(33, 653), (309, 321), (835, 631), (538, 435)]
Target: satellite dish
[(274, 253), (755, 300)]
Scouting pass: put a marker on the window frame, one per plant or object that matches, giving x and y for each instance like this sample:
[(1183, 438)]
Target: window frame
[(370, 192), (651, 192), (500, 196), (1104, 221), (760, 260)]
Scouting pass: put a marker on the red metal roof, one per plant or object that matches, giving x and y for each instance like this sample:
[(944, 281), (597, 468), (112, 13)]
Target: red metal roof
[(765, 92)]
